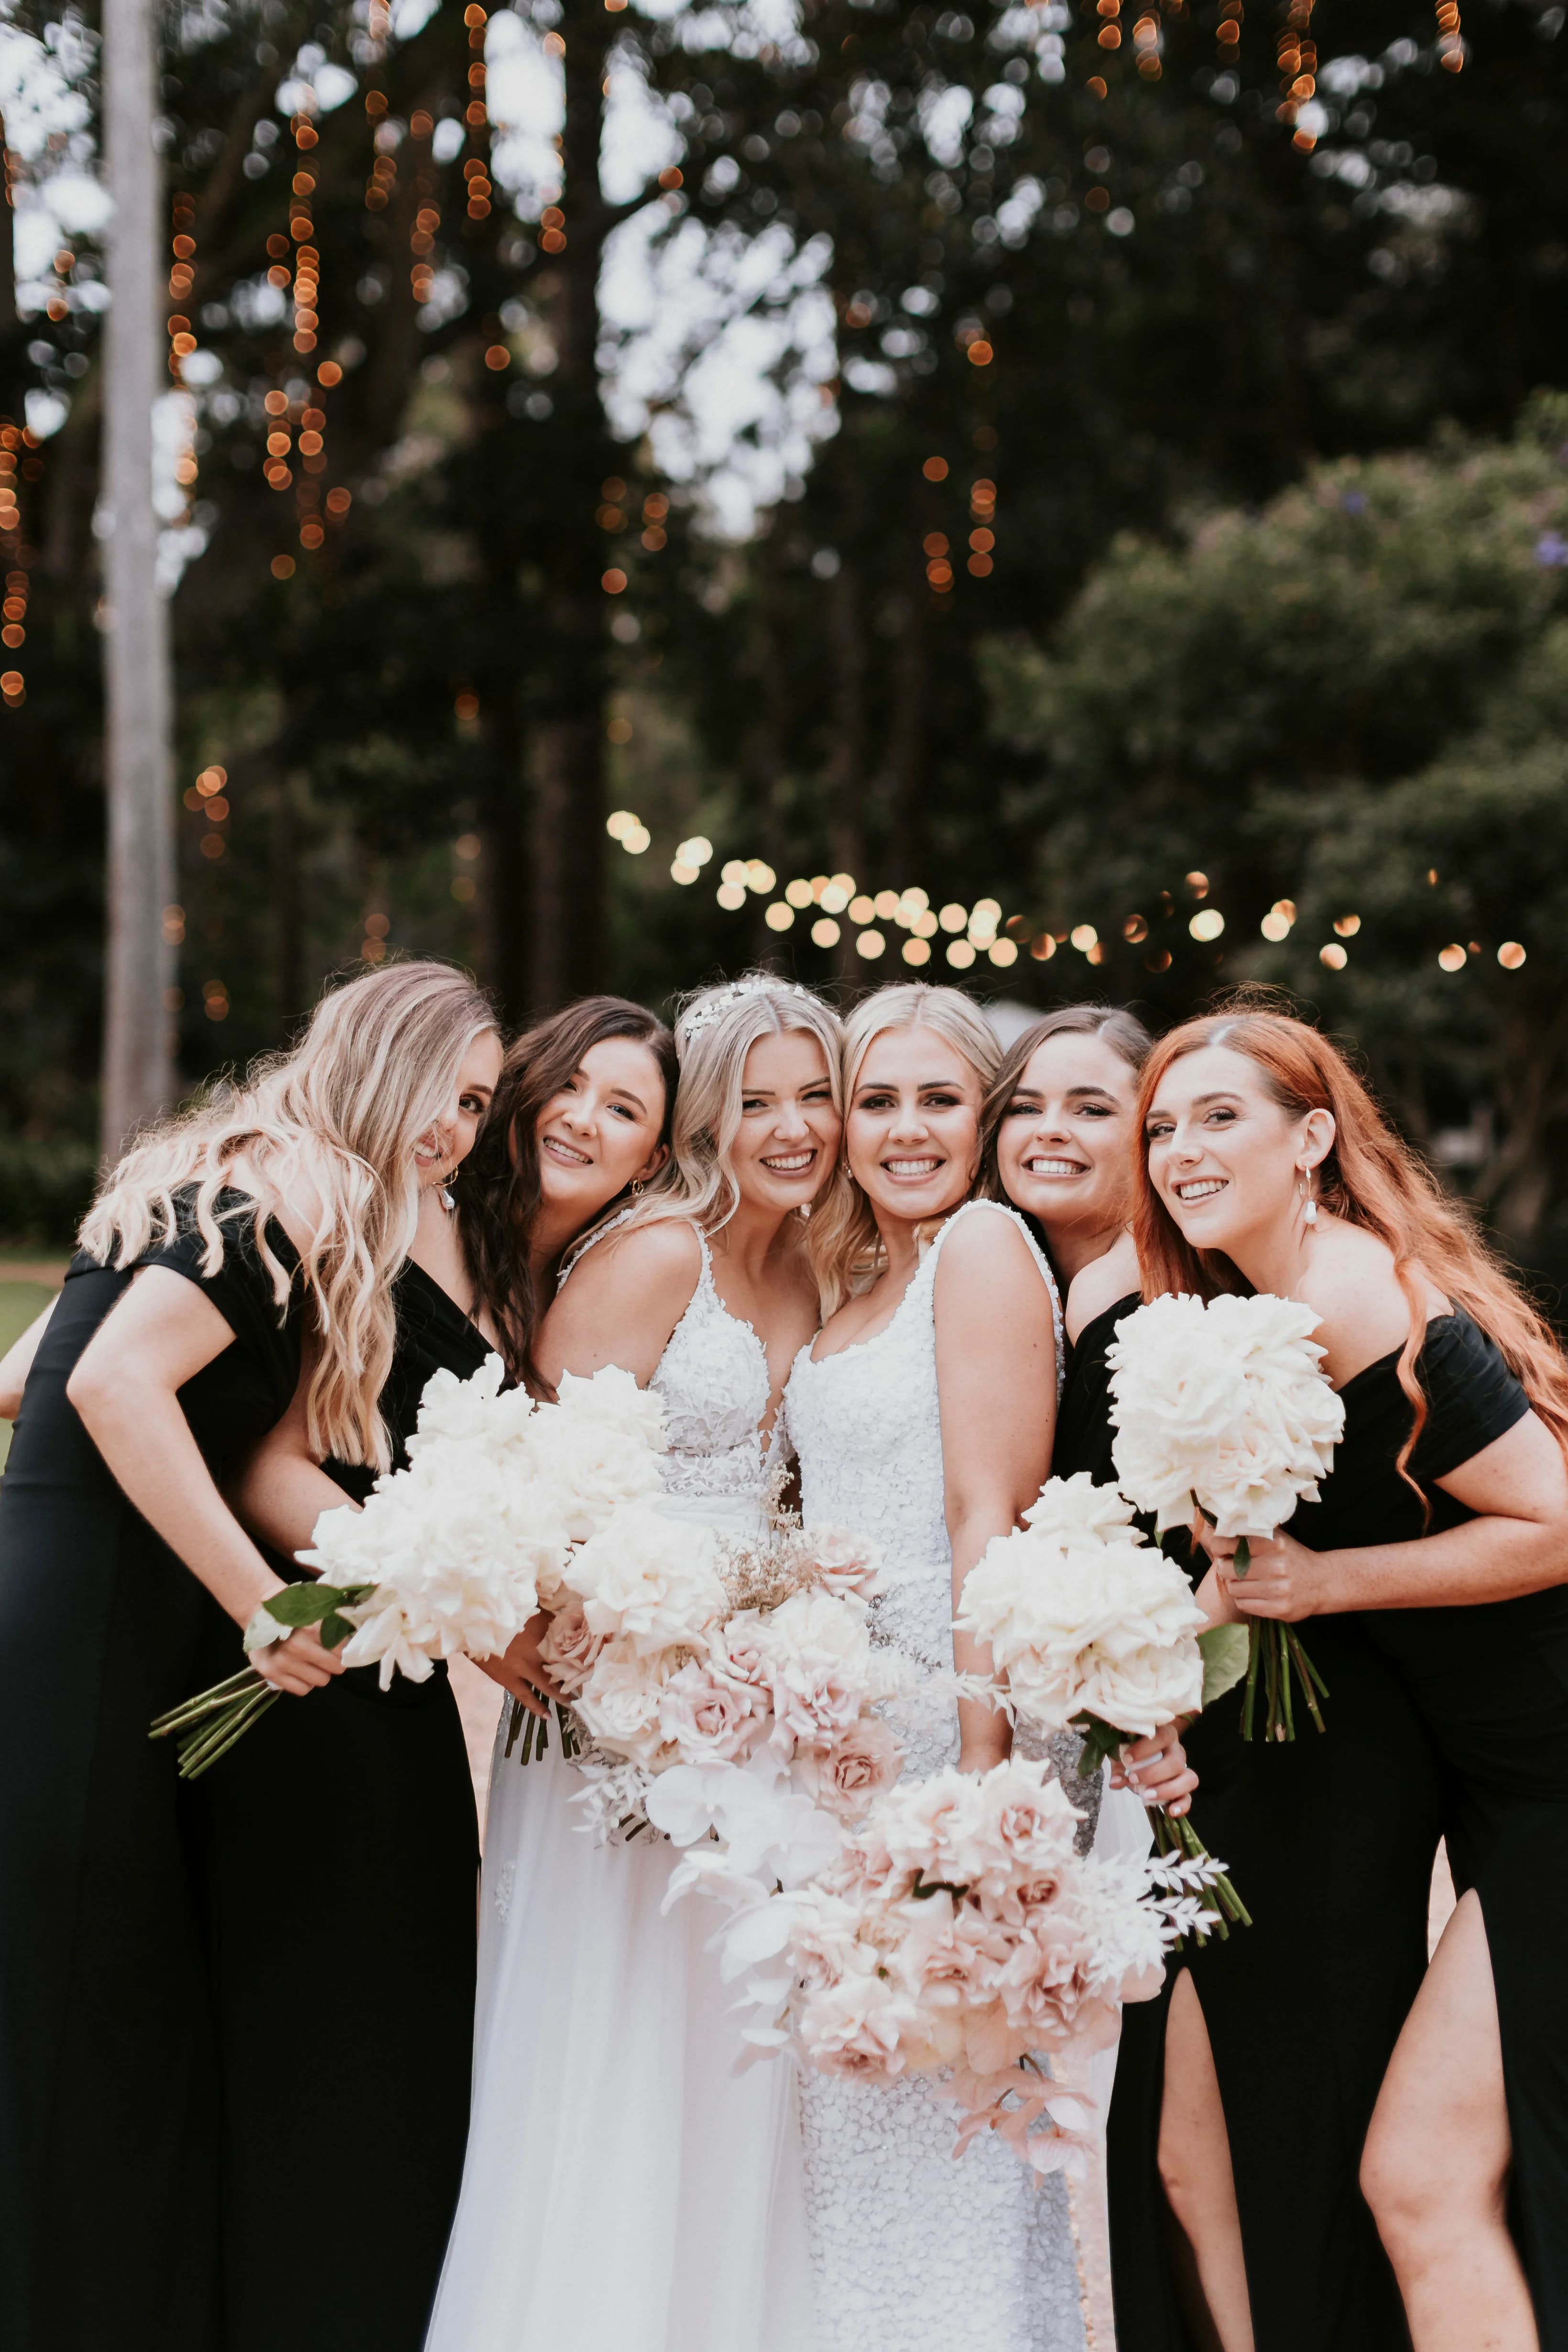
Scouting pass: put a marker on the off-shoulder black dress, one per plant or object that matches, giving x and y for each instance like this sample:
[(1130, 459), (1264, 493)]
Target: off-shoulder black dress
[(343, 1869), (1330, 1841), (109, 2088)]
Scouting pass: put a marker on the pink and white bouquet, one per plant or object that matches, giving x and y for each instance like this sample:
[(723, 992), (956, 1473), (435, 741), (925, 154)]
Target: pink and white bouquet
[(1222, 1409), (1093, 1629), (957, 1933), (747, 1663)]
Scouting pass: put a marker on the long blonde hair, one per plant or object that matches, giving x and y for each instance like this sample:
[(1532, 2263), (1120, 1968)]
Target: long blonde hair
[(716, 1030), (329, 1127), (843, 1244)]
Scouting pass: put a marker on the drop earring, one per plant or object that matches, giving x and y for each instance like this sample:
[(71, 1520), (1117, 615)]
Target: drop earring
[(1309, 1206)]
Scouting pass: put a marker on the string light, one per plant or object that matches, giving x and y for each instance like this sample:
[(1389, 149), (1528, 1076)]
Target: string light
[(17, 458), (1450, 45), (1510, 955)]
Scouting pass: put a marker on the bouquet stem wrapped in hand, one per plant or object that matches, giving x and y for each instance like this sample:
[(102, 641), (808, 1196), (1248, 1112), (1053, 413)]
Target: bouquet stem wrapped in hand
[(455, 1554), (1223, 1410), (1094, 1631)]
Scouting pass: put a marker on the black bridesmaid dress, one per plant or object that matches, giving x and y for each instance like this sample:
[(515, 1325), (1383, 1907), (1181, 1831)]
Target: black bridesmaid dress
[(1490, 1682), (1330, 1841), (342, 1894), (109, 2090)]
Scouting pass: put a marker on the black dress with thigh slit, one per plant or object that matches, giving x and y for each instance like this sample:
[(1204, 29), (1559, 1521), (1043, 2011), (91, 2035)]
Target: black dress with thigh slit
[(343, 1865), (109, 2088), (1331, 1841)]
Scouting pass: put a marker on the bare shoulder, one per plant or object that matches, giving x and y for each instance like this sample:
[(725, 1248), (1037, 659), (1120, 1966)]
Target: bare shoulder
[(1101, 1284), (987, 1262), (661, 1259), (1353, 1285)]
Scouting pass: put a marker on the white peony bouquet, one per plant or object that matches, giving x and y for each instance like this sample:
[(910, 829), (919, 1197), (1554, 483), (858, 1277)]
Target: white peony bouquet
[(456, 1552), (957, 1932), (720, 1672), (1222, 1408), (1093, 1629)]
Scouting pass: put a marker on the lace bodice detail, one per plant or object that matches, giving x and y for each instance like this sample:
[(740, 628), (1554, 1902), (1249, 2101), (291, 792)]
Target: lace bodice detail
[(867, 1426), (713, 1380)]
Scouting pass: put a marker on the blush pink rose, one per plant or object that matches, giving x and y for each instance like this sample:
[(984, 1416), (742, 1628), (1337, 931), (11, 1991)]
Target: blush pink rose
[(862, 1762), (568, 1649), (846, 1563), (709, 1718)]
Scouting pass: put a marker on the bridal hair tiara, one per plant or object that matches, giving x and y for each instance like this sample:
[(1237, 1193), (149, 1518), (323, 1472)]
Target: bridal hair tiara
[(711, 1007)]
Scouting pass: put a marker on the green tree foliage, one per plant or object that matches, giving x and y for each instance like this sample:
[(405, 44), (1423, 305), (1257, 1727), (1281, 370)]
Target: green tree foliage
[(1338, 723), (1100, 298)]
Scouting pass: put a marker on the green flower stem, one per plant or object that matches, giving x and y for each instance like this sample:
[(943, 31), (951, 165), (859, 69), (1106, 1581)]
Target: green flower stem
[(1220, 1899), (192, 1710), (239, 1722)]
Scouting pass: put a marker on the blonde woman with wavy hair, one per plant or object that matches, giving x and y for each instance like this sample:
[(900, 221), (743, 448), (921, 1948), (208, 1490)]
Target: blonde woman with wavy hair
[(605, 2063), (233, 1249), (922, 1415)]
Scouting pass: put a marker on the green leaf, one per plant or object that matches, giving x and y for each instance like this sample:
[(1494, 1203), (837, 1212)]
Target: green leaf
[(1225, 1650), (308, 1604), (334, 1629)]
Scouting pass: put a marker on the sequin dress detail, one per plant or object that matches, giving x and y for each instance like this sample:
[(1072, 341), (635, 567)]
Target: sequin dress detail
[(914, 2253), (625, 2189)]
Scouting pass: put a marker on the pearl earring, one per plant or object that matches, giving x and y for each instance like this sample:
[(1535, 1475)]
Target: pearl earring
[(1310, 1208)]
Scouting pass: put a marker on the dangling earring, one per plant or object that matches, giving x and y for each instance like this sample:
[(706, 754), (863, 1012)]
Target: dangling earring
[(1309, 1206)]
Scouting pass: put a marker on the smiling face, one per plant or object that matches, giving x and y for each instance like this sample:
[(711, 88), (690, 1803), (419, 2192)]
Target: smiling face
[(1225, 1156), (788, 1138), (600, 1132), (912, 1134), (449, 1139), (1064, 1147)]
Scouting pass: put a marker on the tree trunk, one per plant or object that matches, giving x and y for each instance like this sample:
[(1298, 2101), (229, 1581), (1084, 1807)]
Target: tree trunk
[(287, 903), (767, 747), (568, 746), (138, 1059), (898, 787)]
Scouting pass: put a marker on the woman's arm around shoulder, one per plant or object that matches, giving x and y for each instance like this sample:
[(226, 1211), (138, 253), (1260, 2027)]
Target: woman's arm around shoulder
[(18, 1362), (620, 1304)]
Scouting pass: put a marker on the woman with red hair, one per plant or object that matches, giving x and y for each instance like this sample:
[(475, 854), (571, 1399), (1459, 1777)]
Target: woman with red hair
[(1433, 1568)]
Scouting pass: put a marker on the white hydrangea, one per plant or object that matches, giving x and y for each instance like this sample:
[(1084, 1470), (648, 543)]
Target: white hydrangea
[(1083, 1617), (1224, 1403), (648, 1578)]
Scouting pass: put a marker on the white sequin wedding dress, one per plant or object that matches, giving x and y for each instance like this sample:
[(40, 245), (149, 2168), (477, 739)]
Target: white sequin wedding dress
[(625, 2190), (913, 2252)]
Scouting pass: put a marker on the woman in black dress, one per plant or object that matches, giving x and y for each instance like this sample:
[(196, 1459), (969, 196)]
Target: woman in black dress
[(378, 1901), (1433, 1570), (175, 1344)]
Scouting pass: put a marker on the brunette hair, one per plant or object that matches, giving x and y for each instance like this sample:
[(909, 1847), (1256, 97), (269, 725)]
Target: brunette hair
[(1371, 1177), (1121, 1031), (329, 1127), (842, 1242), (498, 1194)]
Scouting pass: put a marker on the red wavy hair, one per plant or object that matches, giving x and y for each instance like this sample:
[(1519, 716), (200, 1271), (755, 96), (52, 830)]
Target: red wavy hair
[(1371, 1177)]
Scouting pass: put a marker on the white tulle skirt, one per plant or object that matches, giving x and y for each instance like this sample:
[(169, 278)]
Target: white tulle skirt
[(625, 2189)]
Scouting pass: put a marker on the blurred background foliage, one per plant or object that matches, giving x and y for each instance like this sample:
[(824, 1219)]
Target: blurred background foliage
[(1117, 484)]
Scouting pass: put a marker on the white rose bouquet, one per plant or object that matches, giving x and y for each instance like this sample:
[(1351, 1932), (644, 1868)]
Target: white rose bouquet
[(1222, 1408), (1093, 1629), (957, 1933), (456, 1552)]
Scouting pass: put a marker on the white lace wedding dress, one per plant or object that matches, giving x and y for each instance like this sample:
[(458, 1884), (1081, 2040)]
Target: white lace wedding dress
[(625, 2190), (913, 2251)]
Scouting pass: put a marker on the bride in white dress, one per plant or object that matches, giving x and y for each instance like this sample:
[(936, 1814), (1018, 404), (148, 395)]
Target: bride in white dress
[(923, 1416), (625, 2189)]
